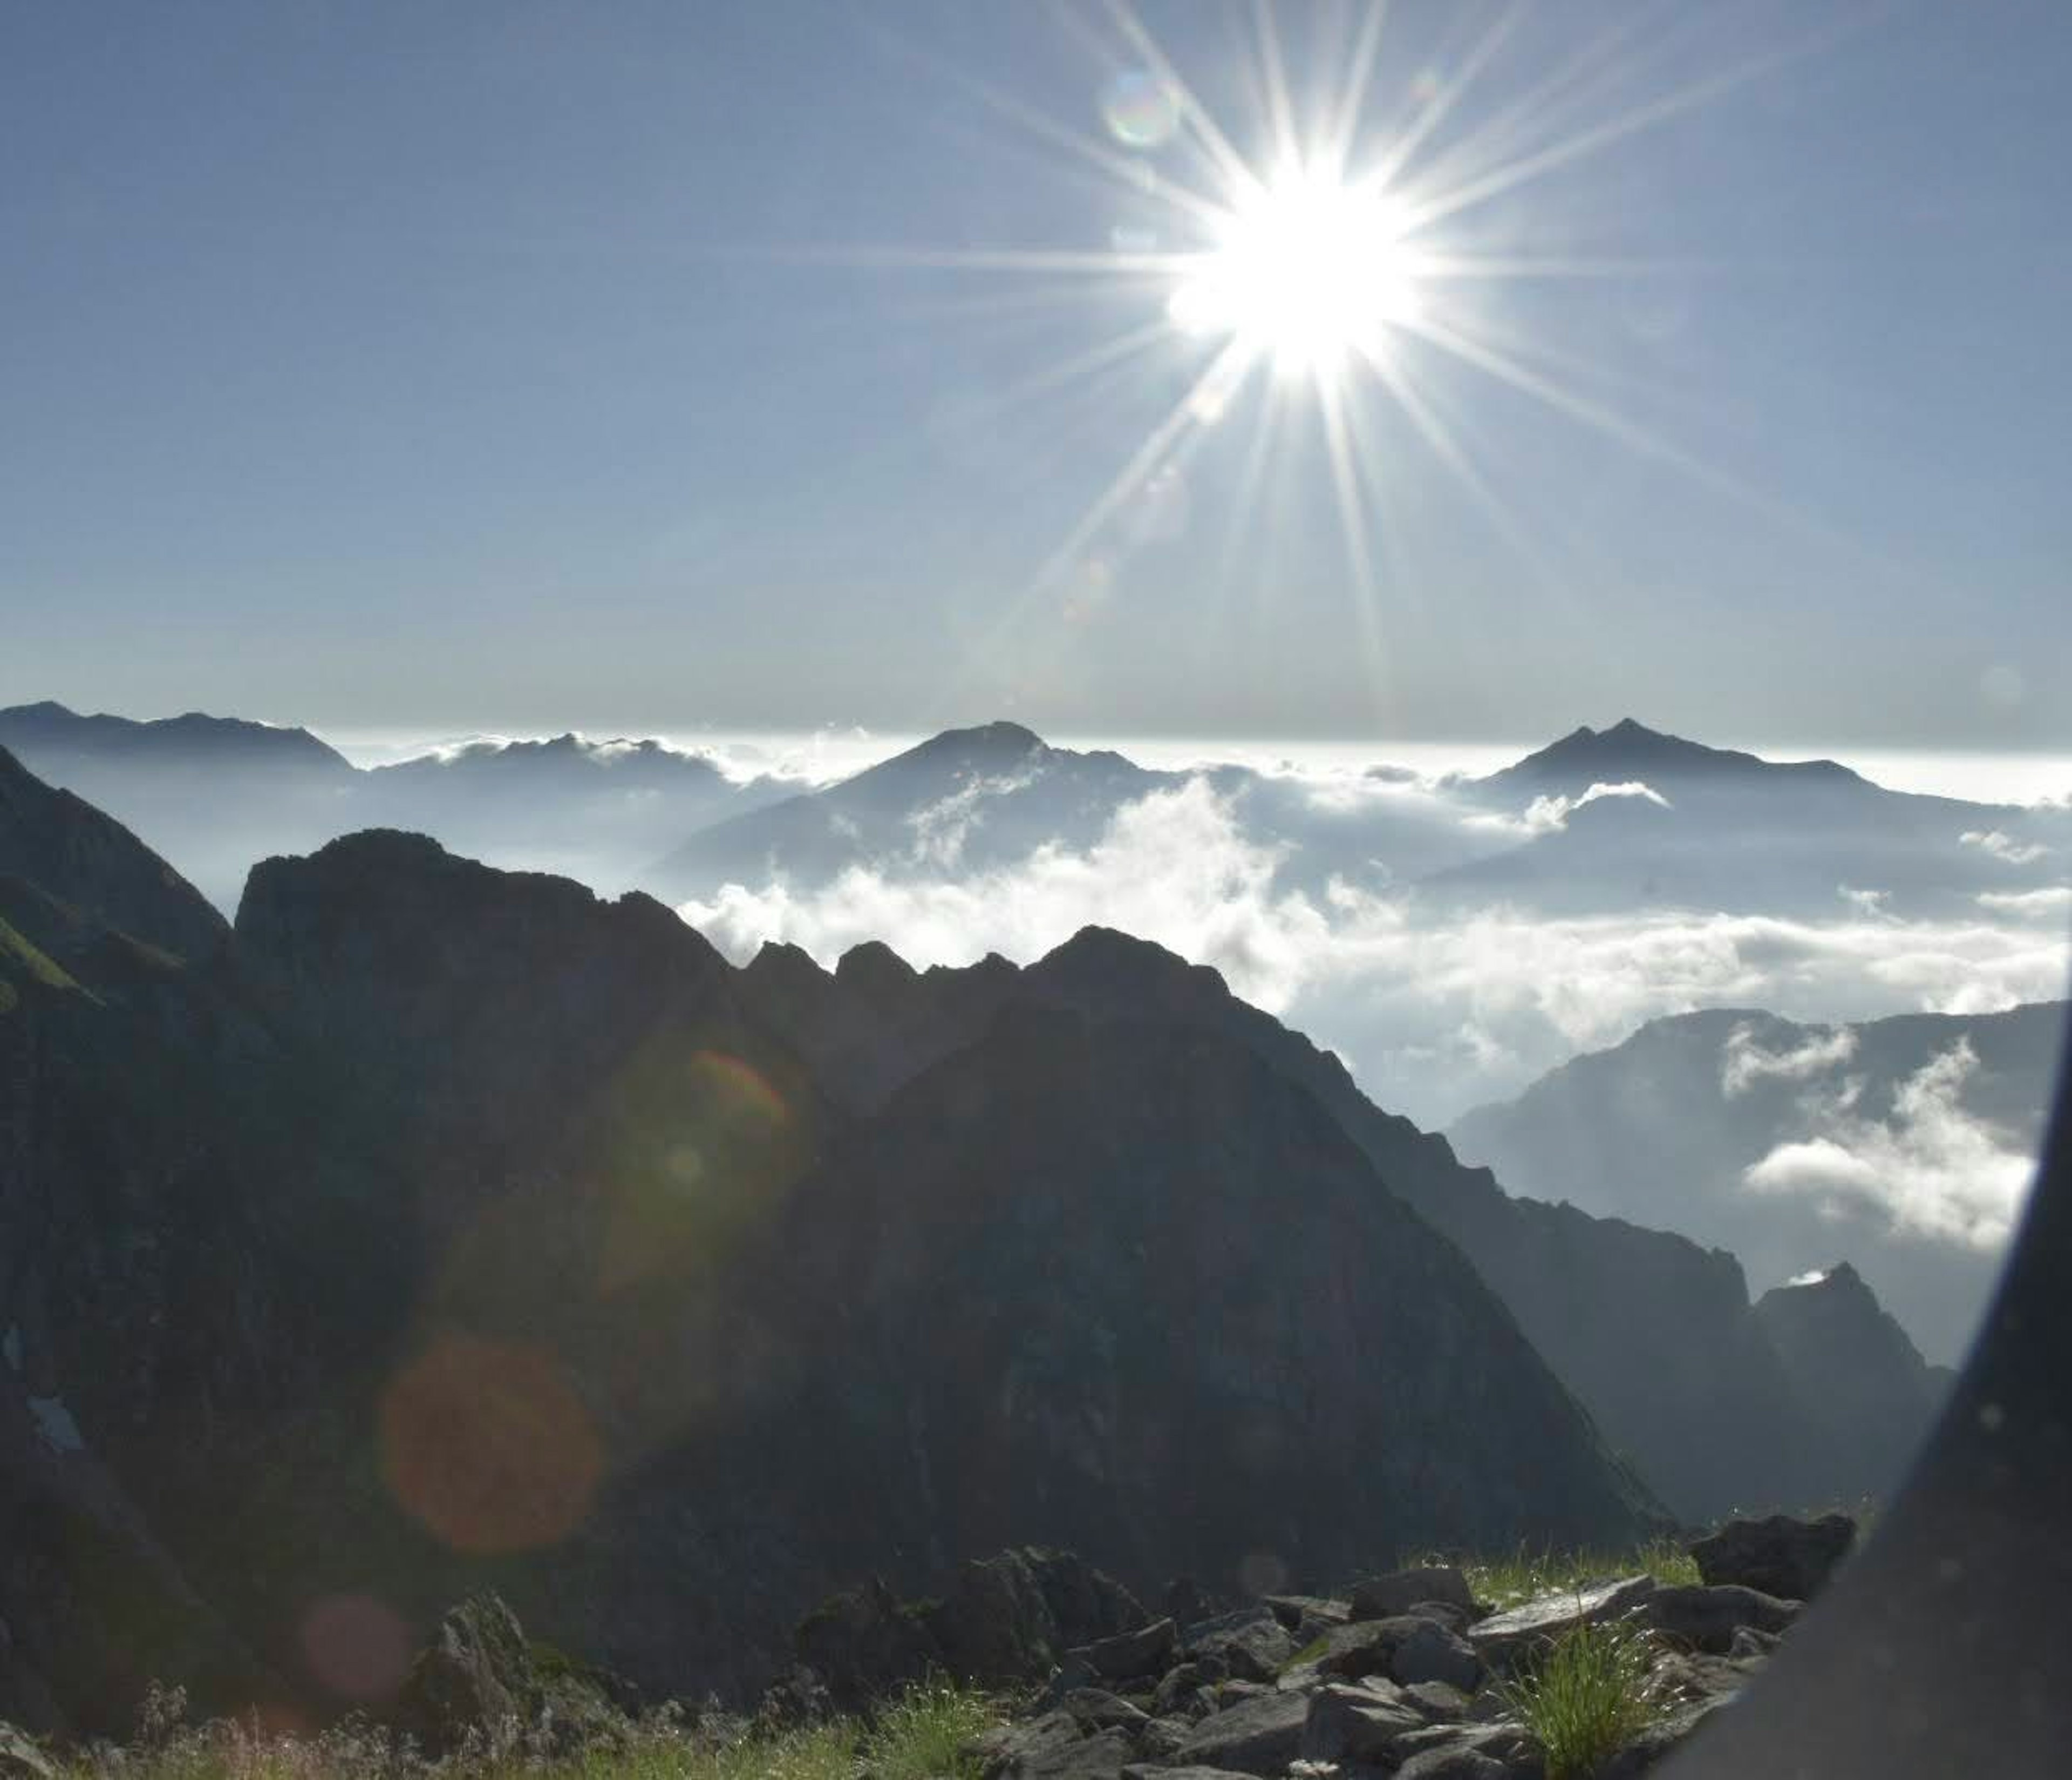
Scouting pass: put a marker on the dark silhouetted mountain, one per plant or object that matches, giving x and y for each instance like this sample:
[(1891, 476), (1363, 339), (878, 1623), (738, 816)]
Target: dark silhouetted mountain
[(1667, 1127), (1850, 1360), (1651, 1331), (962, 800), (459, 1227), (76, 855)]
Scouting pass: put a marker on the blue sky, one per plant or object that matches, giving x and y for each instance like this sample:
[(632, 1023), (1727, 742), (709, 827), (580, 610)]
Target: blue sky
[(515, 366)]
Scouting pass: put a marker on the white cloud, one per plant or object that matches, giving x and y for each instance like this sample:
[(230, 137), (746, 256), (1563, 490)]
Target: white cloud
[(1864, 902), (1932, 1169), (2040, 904), (1544, 815), (1433, 1012), (1744, 1062), (2002, 846)]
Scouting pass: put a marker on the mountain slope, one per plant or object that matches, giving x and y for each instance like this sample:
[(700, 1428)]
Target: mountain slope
[(1653, 1332), (965, 799), (1674, 1126), (76, 854)]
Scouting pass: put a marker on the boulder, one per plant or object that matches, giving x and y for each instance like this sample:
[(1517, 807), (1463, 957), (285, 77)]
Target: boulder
[(1094, 1709), (1149, 1651), (1098, 1757), (1358, 1724), (1438, 1701), (1545, 1617), (862, 1644), (1008, 1618), (1258, 1736), (1459, 1749), (1384, 1597), (1780, 1556), (1296, 1611), (20, 1759), (1657, 1742), (1708, 1619), (1454, 1761), (474, 1679), (1178, 1687), (1255, 1651), (1429, 1651)]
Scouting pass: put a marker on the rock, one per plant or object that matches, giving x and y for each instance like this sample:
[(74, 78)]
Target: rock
[(1199, 1631), (1093, 1709), (1438, 1701), (1751, 1645), (1656, 1742), (1356, 1724), (1260, 1736), (1384, 1597), (1146, 1651), (1098, 1757), (1177, 1687), (1296, 1611), (1145, 1771), (1453, 1762), (1429, 1651), (1163, 1736), (20, 1759), (1008, 1747), (1008, 1618), (1252, 1652), (1780, 1556), (474, 1678), (1707, 1619), (863, 1644), (797, 1698), (1545, 1617), (1186, 1601)]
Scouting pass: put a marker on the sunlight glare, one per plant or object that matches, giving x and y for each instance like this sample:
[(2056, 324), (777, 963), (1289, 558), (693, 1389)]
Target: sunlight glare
[(1306, 271)]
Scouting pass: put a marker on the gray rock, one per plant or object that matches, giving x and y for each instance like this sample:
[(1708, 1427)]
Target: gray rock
[(1780, 1556), (1094, 1709), (1429, 1651), (1198, 1631), (1751, 1645), (1357, 1724), (1098, 1757), (1463, 1763), (1146, 1770), (1295, 1611), (1383, 1598), (1163, 1736), (20, 1759), (1010, 1748), (1707, 1619), (1437, 1701), (1008, 1617), (1260, 1736), (1254, 1652), (475, 1678), (863, 1645), (1547, 1616), (1657, 1742), (1178, 1686), (1148, 1651)]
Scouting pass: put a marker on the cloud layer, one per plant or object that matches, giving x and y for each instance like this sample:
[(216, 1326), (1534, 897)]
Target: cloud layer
[(1434, 1011)]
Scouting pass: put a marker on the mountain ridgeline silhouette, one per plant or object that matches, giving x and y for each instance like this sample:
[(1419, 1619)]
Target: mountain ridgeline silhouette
[(435, 1225)]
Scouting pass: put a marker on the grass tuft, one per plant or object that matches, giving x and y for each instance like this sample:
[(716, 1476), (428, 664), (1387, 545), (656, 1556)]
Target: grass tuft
[(1590, 1692), (1506, 1581), (927, 1733)]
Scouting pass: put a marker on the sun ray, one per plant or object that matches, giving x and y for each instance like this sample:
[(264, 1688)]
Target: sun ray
[(1237, 176), (1399, 152), (1340, 129), (1273, 77)]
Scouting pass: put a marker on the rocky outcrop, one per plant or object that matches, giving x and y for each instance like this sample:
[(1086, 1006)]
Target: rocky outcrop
[(479, 1686), (1780, 1556)]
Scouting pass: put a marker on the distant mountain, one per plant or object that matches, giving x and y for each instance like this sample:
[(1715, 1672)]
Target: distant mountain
[(1913, 1113), (1628, 818), (47, 732), (1631, 750), (961, 801)]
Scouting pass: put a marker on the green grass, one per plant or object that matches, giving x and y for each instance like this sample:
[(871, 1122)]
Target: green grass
[(1506, 1581), (1590, 1692), (922, 1735)]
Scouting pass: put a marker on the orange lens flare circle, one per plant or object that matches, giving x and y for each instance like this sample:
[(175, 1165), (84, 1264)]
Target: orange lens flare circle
[(486, 1445)]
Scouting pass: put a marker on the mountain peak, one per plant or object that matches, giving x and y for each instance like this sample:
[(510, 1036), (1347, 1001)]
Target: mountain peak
[(1630, 750)]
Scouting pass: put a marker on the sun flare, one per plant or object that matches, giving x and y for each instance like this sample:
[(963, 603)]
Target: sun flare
[(1306, 271)]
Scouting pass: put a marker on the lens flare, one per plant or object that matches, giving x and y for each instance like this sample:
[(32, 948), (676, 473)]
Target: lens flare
[(486, 1444), (1141, 110)]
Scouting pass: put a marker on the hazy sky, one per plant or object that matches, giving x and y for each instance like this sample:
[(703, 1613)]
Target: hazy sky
[(522, 364)]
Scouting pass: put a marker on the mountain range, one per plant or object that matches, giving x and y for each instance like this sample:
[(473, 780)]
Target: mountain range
[(432, 1227)]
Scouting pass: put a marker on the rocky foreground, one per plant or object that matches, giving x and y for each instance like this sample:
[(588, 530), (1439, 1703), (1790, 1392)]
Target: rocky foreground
[(1407, 1673)]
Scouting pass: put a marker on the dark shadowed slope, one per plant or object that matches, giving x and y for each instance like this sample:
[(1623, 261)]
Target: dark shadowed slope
[(1651, 1331), (77, 854)]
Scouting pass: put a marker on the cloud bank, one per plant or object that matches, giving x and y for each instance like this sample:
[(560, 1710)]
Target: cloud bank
[(1433, 1010), (1932, 1169)]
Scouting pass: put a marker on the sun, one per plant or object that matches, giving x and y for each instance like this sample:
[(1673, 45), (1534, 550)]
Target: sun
[(1306, 271)]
